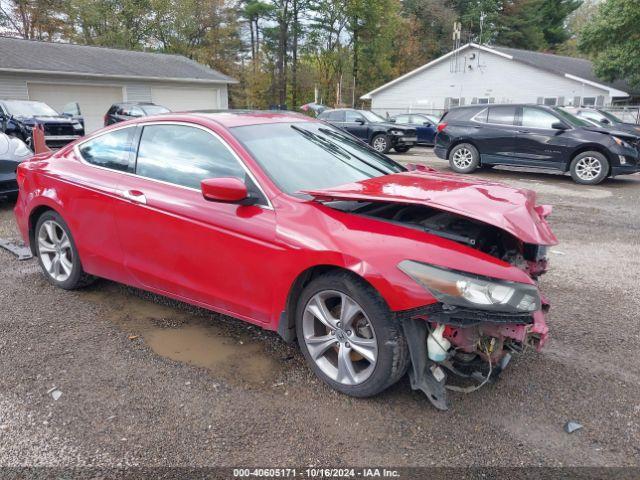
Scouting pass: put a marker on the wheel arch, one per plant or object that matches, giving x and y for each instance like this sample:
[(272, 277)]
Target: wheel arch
[(34, 215), (458, 141), (287, 321), (590, 147)]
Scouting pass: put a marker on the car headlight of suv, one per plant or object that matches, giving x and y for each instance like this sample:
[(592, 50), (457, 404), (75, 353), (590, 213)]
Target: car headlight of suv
[(621, 142), (77, 126), (397, 132), (473, 291)]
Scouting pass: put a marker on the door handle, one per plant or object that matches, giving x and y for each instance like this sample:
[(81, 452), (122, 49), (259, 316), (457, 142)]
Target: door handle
[(524, 131), (135, 196)]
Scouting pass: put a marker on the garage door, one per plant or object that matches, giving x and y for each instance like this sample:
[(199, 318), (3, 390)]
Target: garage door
[(94, 100), (186, 98)]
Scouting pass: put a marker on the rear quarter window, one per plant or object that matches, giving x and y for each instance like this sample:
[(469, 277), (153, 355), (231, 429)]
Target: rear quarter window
[(505, 115)]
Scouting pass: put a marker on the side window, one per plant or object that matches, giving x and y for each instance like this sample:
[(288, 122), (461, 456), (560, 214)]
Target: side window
[(110, 150), (502, 115), (184, 155), (481, 116), (337, 116), (351, 117), (536, 118), (405, 119)]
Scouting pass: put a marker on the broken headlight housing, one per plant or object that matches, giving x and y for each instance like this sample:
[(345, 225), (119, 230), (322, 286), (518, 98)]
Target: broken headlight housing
[(473, 291)]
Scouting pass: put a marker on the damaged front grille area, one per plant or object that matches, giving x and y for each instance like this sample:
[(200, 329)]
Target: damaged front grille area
[(462, 317)]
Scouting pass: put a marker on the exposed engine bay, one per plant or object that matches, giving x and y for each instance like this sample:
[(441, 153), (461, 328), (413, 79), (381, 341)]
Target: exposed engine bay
[(472, 344), (481, 236)]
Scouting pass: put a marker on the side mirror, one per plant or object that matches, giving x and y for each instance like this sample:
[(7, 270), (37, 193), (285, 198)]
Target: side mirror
[(392, 120), (360, 121), (605, 121), (226, 190), (428, 124), (559, 126)]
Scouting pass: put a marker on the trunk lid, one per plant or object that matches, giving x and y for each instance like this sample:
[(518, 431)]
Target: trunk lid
[(511, 209)]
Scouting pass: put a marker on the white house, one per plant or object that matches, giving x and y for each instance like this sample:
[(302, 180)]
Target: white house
[(96, 78), (488, 74)]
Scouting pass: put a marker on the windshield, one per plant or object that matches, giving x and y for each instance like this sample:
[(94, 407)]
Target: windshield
[(610, 116), (21, 108), (371, 117), (571, 119), (311, 156), (154, 109)]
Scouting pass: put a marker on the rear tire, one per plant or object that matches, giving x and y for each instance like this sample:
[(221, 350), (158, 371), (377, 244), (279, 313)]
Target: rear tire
[(57, 253), (464, 158), (381, 143), (337, 341), (589, 168)]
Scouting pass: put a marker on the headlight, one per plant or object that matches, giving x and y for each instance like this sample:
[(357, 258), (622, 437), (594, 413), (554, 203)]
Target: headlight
[(473, 291), (77, 126), (397, 132), (621, 142)]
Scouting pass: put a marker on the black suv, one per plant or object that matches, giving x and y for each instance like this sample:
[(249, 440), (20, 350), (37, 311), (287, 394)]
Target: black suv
[(18, 117), (374, 130), (119, 112), (534, 136)]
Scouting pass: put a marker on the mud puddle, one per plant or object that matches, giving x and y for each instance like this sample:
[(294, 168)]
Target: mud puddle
[(187, 334)]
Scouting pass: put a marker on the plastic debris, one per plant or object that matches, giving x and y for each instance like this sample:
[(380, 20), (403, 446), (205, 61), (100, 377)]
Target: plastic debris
[(56, 394), (558, 252), (572, 426), (133, 337), (19, 250)]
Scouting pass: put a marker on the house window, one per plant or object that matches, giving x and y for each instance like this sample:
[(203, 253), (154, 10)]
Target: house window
[(550, 101), (483, 100), (454, 102), (588, 101)]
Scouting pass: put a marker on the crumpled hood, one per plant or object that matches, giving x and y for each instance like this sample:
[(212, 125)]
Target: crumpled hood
[(511, 209), (615, 132), (44, 119)]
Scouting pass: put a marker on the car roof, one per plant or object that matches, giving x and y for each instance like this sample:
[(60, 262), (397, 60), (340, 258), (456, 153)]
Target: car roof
[(238, 118)]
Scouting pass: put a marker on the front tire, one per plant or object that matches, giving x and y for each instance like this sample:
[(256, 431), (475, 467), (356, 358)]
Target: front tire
[(349, 336), (464, 158), (589, 168), (57, 253), (381, 143), (401, 149)]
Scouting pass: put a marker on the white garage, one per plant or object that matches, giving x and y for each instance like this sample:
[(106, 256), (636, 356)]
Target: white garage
[(95, 78), (94, 101)]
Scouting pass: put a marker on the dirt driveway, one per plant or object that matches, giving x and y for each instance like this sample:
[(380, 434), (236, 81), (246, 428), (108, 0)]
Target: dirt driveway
[(151, 382)]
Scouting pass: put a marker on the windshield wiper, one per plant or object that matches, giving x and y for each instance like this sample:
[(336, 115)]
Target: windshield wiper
[(339, 151)]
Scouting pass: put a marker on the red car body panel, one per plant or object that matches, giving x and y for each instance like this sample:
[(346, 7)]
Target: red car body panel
[(513, 210), (243, 260)]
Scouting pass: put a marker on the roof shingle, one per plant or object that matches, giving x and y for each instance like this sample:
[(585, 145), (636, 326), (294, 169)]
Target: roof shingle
[(19, 54)]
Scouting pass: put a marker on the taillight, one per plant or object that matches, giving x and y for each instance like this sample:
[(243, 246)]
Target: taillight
[(20, 176), (106, 119), (442, 126)]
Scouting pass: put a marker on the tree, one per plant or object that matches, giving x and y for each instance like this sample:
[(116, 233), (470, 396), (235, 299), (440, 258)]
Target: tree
[(553, 16), (32, 19), (612, 38), (519, 25)]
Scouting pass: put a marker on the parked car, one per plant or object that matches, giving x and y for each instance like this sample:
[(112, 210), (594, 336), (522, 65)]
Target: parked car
[(372, 129), (293, 225), (12, 152), (604, 118), (120, 112), (534, 136), (424, 124), (18, 117)]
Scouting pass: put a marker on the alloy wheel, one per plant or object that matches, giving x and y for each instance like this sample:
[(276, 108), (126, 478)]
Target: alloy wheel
[(55, 250), (588, 168), (339, 337), (380, 144), (462, 158)]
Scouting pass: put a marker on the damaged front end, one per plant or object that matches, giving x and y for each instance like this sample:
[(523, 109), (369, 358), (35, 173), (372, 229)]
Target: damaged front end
[(476, 323)]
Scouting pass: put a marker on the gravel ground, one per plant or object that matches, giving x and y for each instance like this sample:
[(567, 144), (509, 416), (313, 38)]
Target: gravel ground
[(146, 381)]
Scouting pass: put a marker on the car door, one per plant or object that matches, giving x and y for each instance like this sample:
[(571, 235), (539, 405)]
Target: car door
[(425, 128), (494, 133), (539, 144), (92, 173), (356, 125), (178, 243)]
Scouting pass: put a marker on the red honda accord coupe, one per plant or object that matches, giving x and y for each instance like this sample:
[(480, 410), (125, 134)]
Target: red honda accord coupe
[(296, 226)]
